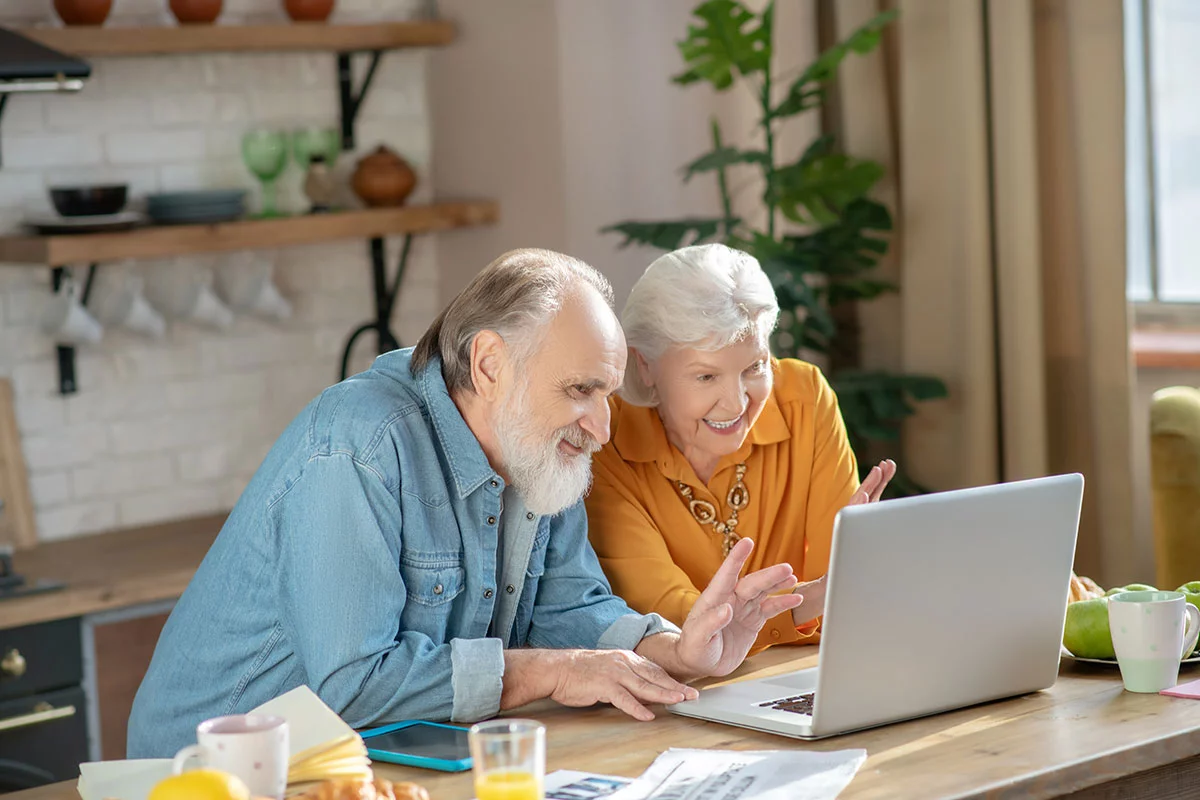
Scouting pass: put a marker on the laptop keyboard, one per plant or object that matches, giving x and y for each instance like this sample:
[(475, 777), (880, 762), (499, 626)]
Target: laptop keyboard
[(797, 704)]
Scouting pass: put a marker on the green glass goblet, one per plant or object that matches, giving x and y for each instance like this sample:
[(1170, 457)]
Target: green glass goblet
[(265, 154), (308, 142)]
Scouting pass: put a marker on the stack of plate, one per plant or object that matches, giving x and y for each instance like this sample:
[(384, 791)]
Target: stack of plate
[(204, 205)]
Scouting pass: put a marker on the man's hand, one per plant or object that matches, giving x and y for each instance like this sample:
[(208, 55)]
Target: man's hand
[(812, 593), (728, 615), (585, 677)]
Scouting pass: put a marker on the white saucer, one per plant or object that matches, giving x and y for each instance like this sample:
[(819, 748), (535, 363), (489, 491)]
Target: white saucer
[(1194, 658)]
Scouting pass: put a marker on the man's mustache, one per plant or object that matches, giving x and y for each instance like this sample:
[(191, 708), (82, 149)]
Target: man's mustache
[(578, 437)]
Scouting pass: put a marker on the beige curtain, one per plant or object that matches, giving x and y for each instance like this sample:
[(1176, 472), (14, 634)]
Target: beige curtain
[(1002, 125)]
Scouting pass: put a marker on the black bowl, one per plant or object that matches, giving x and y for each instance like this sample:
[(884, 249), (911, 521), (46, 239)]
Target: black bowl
[(89, 201)]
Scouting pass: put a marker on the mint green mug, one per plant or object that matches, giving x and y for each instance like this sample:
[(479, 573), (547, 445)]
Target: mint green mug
[(1152, 632)]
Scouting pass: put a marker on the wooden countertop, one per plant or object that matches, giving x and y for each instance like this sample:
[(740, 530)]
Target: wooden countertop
[(110, 570), (1084, 733)]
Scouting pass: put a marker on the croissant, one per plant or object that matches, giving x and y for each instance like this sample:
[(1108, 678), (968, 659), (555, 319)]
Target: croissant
[(1083, 588), (365, 790)]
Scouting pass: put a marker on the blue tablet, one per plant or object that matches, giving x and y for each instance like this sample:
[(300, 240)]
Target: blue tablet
[(430, 745)]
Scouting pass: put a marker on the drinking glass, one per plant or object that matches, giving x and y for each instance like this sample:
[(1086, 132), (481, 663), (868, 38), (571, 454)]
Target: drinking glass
[(509, 758), (265, 154), (308, 142)]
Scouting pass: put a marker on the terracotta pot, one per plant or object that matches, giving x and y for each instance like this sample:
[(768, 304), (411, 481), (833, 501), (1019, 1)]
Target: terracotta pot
[(383, 178), (83, 12), (191, 12), (308, 10)]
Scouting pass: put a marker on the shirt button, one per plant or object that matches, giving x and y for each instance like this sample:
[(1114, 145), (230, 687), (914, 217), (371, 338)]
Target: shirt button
[(528, 515), (437, 589), (494, 484), (491, 520), (510, 588), (487, 594), (774, 634)]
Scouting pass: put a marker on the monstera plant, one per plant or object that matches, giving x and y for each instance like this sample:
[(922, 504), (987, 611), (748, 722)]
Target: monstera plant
[(827, 257)]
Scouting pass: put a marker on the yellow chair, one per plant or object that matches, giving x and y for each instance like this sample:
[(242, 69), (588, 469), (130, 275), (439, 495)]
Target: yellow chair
[(1175, 484)]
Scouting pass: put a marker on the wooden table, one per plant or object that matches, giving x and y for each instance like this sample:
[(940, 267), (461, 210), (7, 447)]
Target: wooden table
[(1085, 738), (111, 570)]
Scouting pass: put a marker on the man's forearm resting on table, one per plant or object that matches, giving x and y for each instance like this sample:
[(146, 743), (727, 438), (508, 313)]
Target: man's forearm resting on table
[(529, 675)]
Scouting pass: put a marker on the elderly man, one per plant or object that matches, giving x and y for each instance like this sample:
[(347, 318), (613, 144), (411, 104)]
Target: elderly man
[(414, 545)]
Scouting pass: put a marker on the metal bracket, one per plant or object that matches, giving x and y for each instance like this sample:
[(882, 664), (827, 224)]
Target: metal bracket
[(351, 101), (3, 103), (66, 353), (385, 301)]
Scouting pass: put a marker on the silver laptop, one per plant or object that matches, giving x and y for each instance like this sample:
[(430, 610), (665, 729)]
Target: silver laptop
[(934, 603)]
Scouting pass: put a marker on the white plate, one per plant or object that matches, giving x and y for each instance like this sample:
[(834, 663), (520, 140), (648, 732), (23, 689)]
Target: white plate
[(1112, 662), (55, 223)]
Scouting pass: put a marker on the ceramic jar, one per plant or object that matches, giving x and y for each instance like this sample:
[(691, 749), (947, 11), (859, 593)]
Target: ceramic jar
[(383, 178), (308, 10), (83, 12), (193, 12), (319, 185)]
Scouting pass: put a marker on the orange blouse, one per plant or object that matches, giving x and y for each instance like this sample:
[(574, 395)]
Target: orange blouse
[(800, 471)]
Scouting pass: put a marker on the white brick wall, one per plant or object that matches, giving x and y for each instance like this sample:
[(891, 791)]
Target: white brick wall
[(161, 430)]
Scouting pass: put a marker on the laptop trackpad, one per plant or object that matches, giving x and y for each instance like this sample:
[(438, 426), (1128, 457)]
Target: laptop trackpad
[(805, 681)]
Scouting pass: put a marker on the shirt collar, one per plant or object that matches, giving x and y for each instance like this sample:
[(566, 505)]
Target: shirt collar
[(467, 462)]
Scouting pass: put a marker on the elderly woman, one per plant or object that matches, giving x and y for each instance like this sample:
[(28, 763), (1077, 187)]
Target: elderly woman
[(714, 440)]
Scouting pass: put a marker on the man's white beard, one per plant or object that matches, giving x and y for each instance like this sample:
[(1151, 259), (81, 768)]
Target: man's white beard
[(547, 481)]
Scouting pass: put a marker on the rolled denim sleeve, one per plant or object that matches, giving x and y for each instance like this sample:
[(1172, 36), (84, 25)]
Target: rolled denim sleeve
[(339, 531), (477, 678), (627, 631), (575, 606)]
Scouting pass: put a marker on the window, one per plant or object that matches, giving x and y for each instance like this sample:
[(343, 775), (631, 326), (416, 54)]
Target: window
[(1162, 135)]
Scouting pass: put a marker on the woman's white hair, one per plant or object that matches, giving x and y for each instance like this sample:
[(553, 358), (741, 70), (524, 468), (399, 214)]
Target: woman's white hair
[(705, 297)]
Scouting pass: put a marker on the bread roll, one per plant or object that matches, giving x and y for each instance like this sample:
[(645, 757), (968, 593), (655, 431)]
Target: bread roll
[(1083, 588), (365, 790)]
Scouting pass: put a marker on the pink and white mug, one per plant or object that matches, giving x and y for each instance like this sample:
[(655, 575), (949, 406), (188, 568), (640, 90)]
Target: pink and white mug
[(254, 747)]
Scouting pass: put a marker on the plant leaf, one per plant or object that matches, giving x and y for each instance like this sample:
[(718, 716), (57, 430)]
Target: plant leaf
[(669, 235), (721, 158), (875, 403), (727, 40), (808, 90), (817, 188)]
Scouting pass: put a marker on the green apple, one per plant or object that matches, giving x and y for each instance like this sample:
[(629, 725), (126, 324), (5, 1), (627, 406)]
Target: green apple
[(1086, 633), (1133, 587), (1191, 593)]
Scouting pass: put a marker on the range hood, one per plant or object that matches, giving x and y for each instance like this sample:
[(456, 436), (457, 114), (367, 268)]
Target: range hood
[(27, 66)]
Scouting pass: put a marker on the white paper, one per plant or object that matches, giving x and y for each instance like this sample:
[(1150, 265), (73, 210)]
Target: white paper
[(128, 780), (681, 774), (312, 725)]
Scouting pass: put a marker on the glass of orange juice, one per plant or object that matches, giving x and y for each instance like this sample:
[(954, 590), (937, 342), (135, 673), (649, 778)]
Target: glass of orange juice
[(509, 759)]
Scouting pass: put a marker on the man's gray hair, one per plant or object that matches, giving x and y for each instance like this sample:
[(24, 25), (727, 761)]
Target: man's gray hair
[(516, 296), (706, 297)]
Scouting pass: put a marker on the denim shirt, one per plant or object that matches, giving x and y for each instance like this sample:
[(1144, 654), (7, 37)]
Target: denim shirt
[(362, 561)]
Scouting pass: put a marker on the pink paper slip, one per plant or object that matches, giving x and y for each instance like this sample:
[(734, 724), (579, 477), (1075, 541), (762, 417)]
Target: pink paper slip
[(1191, 689)]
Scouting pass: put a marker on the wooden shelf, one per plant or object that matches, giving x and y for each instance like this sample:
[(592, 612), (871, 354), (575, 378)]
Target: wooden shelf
[(177, 240), (164, 40)]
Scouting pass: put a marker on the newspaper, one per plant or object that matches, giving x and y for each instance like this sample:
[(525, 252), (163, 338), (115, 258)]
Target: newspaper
[(567, 784), (683, 774)]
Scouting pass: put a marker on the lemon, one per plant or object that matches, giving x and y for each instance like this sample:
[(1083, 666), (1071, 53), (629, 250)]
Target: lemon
[(200, 784)]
